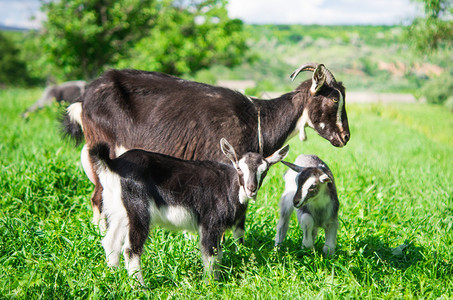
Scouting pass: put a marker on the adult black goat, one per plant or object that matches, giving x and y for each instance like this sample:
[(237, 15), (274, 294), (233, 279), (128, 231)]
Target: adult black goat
[(131, 109)]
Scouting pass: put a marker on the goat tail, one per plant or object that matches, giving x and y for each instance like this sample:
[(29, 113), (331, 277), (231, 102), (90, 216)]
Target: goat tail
[(72, 122), (100, 153)]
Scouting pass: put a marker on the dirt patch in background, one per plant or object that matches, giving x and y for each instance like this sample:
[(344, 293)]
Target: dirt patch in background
[(364, 97), (351, 97)]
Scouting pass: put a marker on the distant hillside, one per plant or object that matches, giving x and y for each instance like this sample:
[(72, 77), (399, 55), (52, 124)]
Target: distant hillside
[(12, 28), (365, 58)]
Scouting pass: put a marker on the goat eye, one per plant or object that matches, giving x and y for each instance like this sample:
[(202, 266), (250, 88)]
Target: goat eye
[(334, 100)]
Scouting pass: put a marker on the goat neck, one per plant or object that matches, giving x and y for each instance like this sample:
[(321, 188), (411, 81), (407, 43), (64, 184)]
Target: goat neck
[(281, 117)]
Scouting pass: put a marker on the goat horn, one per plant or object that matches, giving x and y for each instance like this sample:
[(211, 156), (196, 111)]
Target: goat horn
[(329, 76), (307, 67), (293, 167), (312, 67)]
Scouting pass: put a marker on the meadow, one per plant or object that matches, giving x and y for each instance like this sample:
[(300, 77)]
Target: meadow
[(395, 240)]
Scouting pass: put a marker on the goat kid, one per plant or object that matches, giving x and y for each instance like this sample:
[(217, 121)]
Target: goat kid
[(143, 188), (310, 187)]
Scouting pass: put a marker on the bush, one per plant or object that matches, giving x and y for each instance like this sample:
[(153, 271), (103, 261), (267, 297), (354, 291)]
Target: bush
[(12, 69), (438, 89), (449, 103)]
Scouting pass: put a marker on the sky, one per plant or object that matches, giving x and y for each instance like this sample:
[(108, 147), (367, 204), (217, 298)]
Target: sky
[(26, 13), (324, 12)]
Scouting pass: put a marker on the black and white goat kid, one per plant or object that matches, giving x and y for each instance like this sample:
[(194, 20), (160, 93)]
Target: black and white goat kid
[(143, 188), (310, 187)]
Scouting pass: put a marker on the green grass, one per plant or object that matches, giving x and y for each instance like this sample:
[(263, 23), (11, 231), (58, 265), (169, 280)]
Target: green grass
[(396, 215)]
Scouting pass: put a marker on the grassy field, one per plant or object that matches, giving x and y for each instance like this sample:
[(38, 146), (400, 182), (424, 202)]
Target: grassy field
[(396, 219)]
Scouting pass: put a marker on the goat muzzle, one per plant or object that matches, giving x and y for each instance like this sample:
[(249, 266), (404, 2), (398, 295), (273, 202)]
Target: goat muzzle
[(345, 137)]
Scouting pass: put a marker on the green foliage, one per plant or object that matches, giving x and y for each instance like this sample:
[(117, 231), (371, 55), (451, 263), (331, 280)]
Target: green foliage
[(435, 29), (433, 35), (83, 37), (294, 34), (13, 70), (449, 104), (430, 34), (438, 89), (394, 240), (188, 37), (36, 58)]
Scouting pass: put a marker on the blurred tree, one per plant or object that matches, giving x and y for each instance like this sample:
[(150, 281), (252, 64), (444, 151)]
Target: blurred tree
[(429, 35), (13, 70), (190, 36), (435, 29), (83, 37)]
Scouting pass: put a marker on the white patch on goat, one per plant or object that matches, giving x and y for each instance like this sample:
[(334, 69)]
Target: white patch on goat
[(243, 198), (116, 214), (173, 217), (286, 209), (210, 262), (307, 225), (213, 95), (286, 205), (290, 178), (75, 113), (322, 125), (323, 178), (259, 173), (245, 168), (303, 122), (134, 268), (120, 150), (86, 163), (339, 111), (132, 261), (246, 175), (304, 190)]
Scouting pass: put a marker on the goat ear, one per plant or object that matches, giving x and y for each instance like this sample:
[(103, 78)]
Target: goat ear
[(293, 167), (318, 79), (278, 155), (229, 152), (324, 178)]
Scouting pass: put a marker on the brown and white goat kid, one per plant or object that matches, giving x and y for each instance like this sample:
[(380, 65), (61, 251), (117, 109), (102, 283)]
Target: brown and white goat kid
[(143, 188), (310, 187)]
